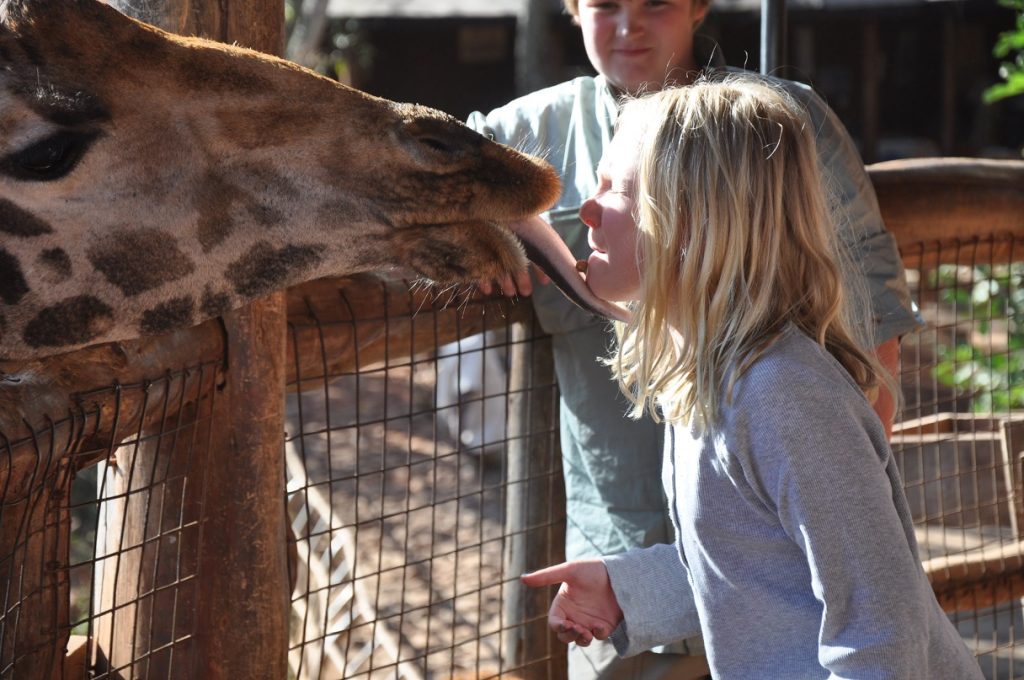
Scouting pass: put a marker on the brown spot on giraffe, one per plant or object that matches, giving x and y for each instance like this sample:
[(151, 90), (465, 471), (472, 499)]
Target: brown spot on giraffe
[(214, 303), (265, 268), (138, 260), (57, 262), (221, 77), (73, 321), (262, 127), (261, 179), (19, 222), (263, 214), (214, 199), (349, 209), (217, 200), (168, 316), (13, 286)]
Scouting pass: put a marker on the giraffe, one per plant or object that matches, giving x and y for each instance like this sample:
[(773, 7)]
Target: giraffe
[(149, 182)]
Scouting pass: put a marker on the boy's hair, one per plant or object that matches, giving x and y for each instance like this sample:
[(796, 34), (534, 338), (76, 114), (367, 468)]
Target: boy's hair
[(736, 241), (572, 7)]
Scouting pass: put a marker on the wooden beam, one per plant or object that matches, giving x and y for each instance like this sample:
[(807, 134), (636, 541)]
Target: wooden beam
[(534, 538), (144, 589), (978, 579), (35, 535), (932, 205), (74, 660)]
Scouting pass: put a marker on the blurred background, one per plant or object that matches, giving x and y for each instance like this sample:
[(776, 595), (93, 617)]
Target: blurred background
[(905, 76)]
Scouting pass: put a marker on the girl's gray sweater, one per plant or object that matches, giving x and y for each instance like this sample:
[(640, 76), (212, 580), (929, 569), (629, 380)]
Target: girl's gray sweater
[(795, 553)]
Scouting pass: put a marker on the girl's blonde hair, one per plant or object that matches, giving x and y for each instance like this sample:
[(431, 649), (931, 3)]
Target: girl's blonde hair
[(736, 241)]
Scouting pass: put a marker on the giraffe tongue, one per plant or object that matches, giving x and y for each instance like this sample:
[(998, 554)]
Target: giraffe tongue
[(547, 250)]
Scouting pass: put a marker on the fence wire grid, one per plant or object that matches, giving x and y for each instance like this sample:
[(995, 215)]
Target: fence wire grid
[(960, 442), (414, 487), (422, 480), (99, 534)]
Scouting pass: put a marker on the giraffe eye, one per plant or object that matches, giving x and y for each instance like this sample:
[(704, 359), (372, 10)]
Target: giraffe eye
[(50, 158)]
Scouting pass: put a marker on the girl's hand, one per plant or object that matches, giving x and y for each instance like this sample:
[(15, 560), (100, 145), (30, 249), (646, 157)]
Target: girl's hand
[(585, 606)]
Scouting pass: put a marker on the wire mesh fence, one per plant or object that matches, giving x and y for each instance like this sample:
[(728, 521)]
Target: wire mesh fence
[(98, 528), (410, 477), (960, 444), (423, 477)]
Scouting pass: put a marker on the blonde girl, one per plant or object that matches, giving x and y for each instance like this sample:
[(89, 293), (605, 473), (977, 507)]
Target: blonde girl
[(795, 555)]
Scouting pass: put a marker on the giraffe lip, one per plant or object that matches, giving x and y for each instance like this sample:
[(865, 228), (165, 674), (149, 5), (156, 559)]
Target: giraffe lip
[(546, 249)]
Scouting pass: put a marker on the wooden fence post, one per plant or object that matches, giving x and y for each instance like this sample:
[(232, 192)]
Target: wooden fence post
[(532, 540), (242, 598)]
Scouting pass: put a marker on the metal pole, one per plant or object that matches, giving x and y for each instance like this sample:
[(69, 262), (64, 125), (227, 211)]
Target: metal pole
[(536, 54), (773, 35)]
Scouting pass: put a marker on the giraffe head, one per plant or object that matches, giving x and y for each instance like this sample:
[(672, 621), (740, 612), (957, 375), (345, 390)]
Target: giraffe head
[(149, 182)]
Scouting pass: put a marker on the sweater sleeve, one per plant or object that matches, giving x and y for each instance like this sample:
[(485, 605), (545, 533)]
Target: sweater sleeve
[(653, 591), (836, 491)]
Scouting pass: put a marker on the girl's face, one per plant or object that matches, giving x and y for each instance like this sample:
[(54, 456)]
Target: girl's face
[(640, 44), (613, 271)]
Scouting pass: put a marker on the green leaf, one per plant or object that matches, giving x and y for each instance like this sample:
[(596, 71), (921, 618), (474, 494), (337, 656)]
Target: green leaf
[(1013, 86), (1011, 41)]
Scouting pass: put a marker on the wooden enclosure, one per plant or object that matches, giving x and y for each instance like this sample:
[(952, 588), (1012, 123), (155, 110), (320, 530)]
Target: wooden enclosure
[(189, 575)]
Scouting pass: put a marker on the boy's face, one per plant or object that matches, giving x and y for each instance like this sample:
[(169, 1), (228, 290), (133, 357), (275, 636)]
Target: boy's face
[(613, 272), (639, 45)]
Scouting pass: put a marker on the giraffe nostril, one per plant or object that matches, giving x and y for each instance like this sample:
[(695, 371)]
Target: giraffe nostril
[(439, 138), (436, 144)]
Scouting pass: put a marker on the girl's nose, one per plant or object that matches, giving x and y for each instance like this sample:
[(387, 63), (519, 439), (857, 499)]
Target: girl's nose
[(590, 214)]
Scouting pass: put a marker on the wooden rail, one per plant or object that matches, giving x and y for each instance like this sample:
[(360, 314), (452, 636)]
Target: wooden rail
[(978, 579), (932, 204)]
